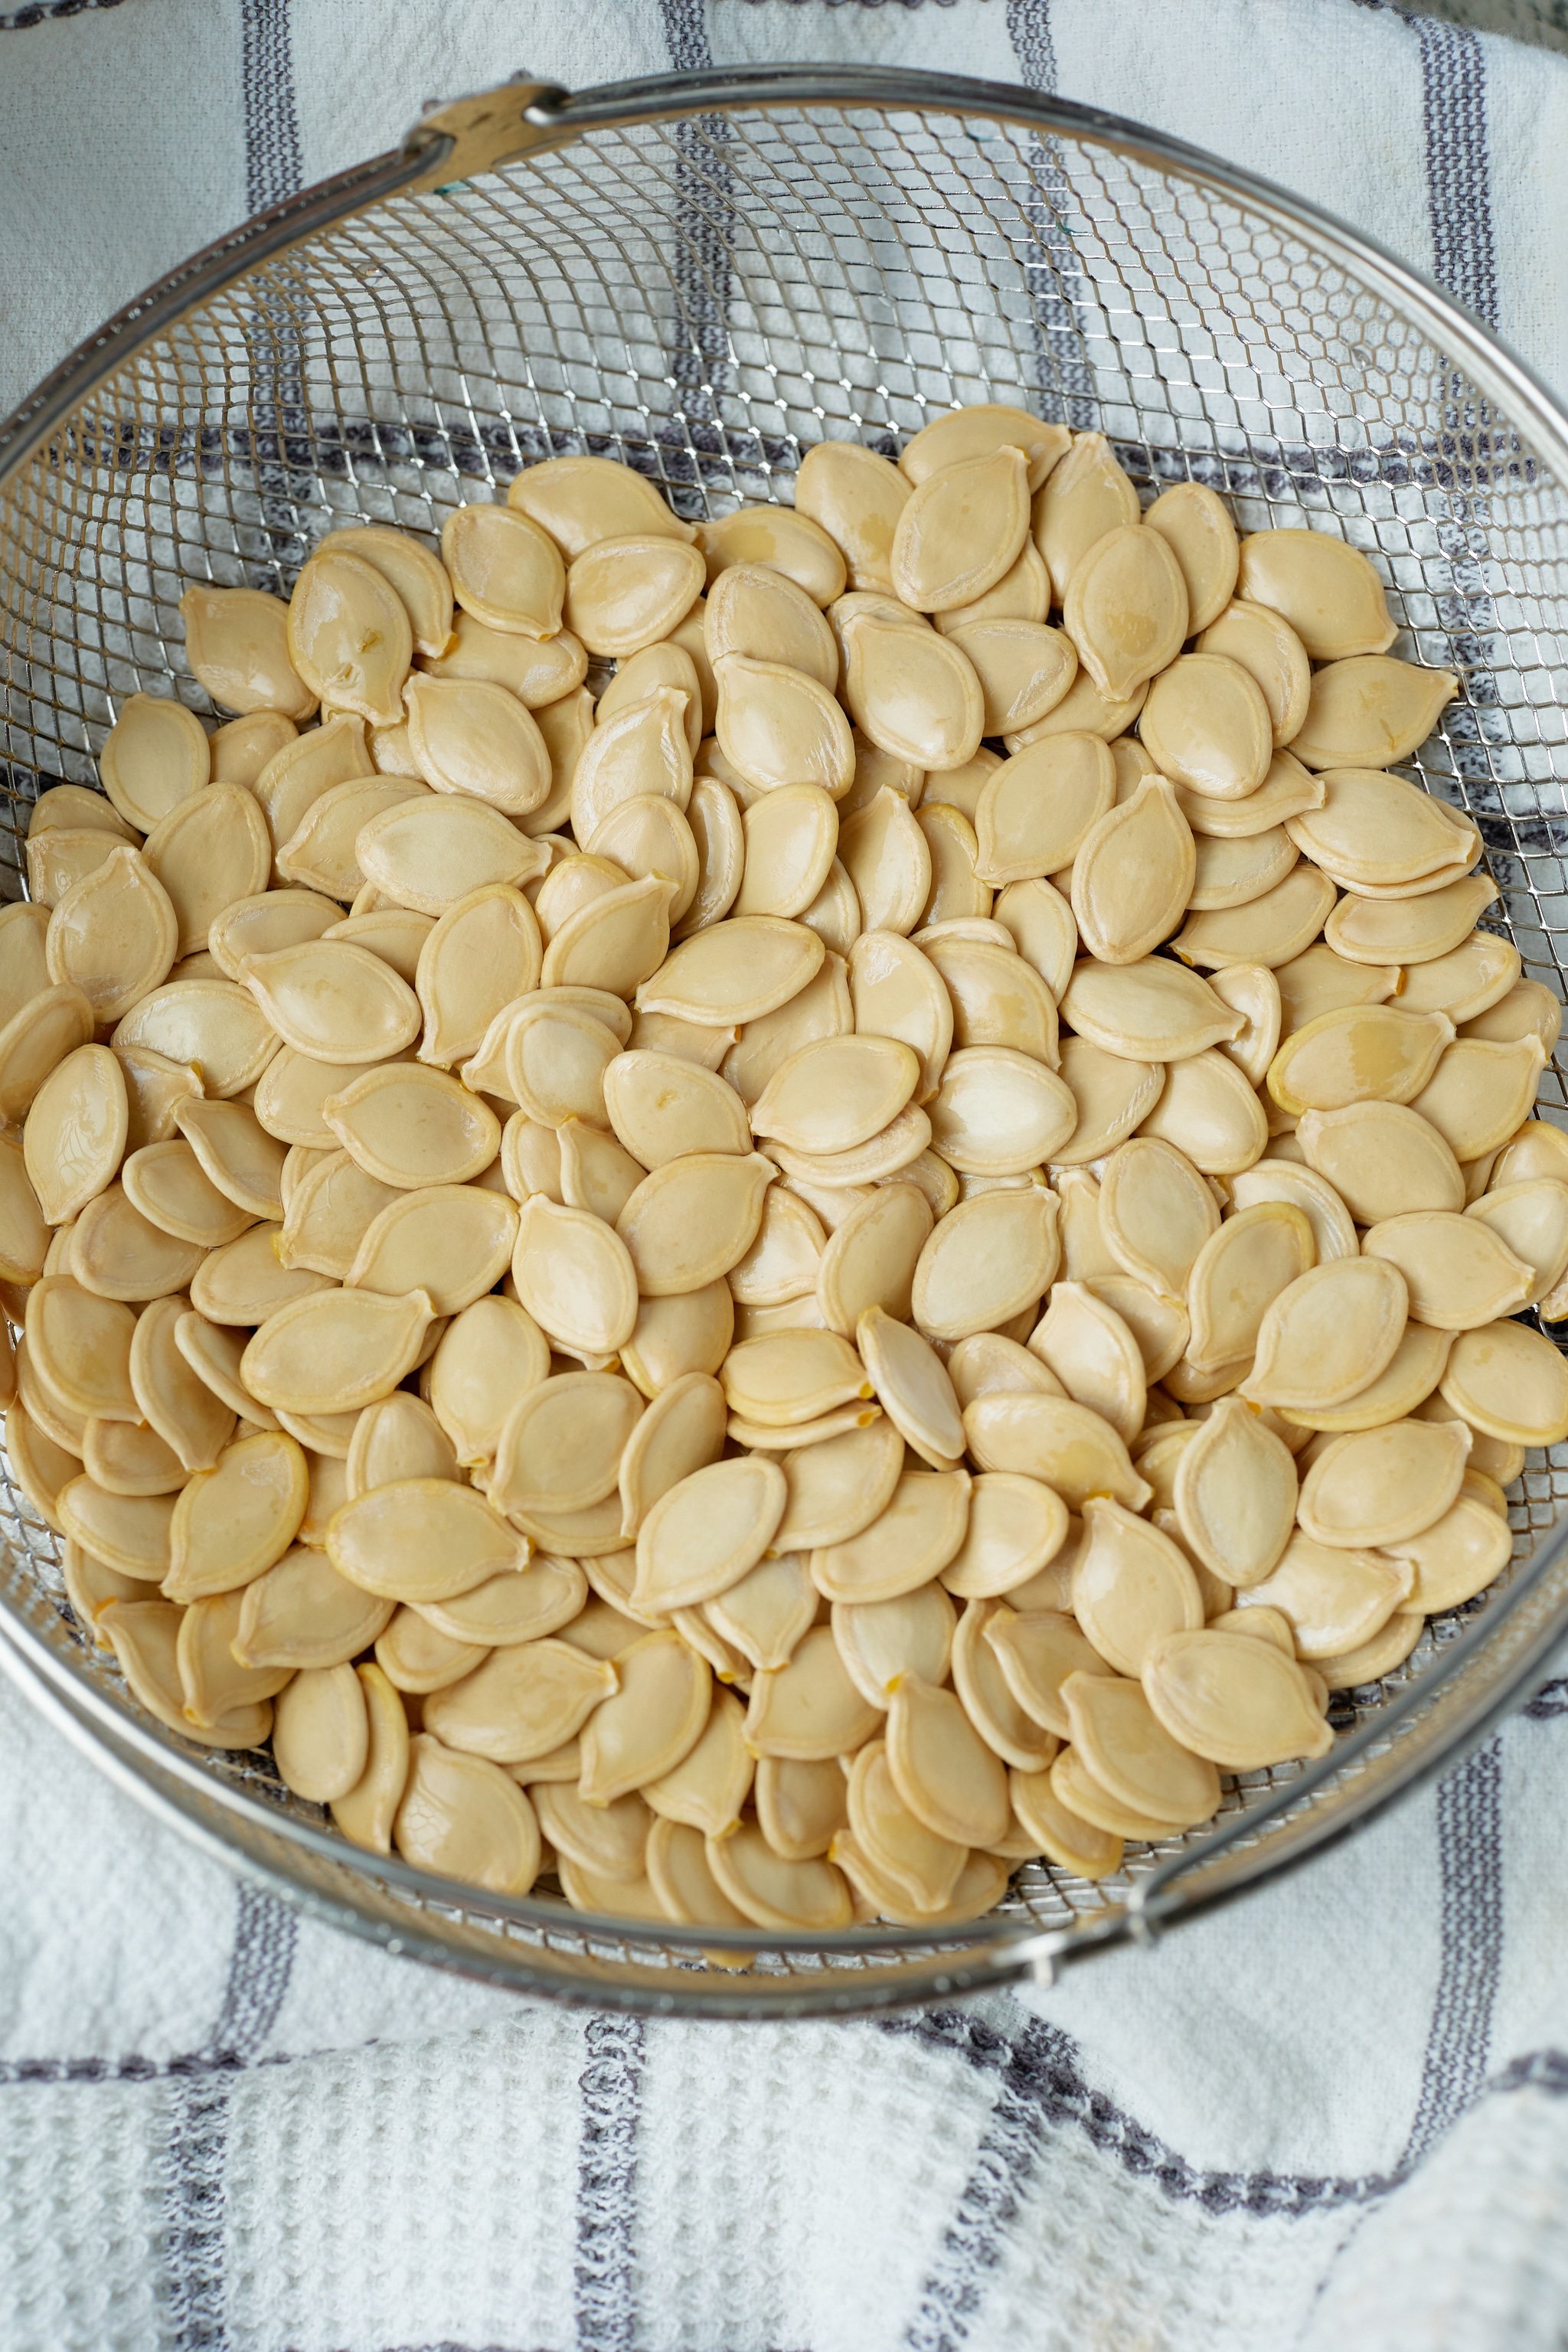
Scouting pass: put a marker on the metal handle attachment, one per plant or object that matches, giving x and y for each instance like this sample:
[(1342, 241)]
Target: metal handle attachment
[(482, 132)]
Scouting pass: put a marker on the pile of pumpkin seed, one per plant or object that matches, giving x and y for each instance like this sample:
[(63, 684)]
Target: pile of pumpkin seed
[(729, 1291)]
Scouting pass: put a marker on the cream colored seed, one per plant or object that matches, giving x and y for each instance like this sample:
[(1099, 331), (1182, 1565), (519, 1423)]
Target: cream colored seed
[(1370, 710), (1153, 1010), (1126, 609), (350, 637), (61, 859), (115, 934), (1285, 790), (1132, 875), (1333, 1598), (922, 1865), (997, 998), (1207, 725), (1111, 1096), (1331, 1331), (1532, 1218), (75, 1131), (914, 693), (780, 726), (1378, 1486), (962, 528), (1085, 495), (1236, 1275), (870, 1259), (1207, 1109), (1405, 1385), (1094, 1356), (1155, 1212), (941, 1768), (667, 665), (631, 753), (1120, 1743), (1241, 1703), (468, 736), (1459, 1273)]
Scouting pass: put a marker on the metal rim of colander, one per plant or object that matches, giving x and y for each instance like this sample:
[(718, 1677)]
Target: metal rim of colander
[(487, 132)]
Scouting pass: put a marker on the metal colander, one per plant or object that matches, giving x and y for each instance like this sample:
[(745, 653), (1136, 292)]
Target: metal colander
[(702, 278)]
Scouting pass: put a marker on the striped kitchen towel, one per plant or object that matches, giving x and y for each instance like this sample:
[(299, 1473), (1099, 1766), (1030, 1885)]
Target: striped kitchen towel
[(1335, 2114)]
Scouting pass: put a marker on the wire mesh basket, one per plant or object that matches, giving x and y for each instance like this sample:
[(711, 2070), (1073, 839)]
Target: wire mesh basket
[(702, 279)]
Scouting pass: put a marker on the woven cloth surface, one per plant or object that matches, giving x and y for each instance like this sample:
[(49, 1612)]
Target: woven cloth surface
[(1335, 2114)]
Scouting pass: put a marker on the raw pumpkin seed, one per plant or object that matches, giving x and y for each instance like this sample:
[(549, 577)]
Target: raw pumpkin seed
[(237, 644), (962, 529), (145, 1636), (1207, 725), (1330, 1332), (1085, 495), (115, 934), (1404, 1386), (1132, 875), (1153, 1010), (1126, 610), (1274, 928), (906, 1546), (941, 1768), (1370, 711), (1241, 1703), (433, 851), (336, 1350), (1202, 537), (1327, 590), (1120, 1743), (75, 1132), (579, 500), (1382, 1158), (914, 693), (575, 1276), (1408, 930), (1207, 1110), (1035, 811), (887, 861), (1237, 1275), (1377, 1486), (1285, 790), (1511, 1382), (154, 756), (1024, 668), (1334, 1598), (1461, 1274), (451, 1240), (1481, 1092), (630, 590)]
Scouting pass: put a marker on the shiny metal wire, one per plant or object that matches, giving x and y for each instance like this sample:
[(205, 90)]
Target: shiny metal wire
[(702, 279)]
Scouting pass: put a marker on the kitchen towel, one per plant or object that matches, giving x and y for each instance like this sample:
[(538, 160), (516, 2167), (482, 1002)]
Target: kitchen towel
[(1334, 2114)]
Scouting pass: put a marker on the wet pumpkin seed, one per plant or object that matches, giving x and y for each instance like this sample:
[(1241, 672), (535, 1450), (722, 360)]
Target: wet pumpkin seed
[(75, 1131), (114, 934)]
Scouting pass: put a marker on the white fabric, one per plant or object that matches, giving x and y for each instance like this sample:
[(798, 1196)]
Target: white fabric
[(1334, 2114)]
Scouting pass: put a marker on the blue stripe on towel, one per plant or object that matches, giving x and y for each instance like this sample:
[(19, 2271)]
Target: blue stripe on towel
[(605, 2274)]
